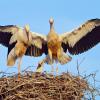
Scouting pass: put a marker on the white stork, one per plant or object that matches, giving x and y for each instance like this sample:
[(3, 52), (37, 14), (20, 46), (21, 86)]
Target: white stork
[(19, 42), (53, 45)]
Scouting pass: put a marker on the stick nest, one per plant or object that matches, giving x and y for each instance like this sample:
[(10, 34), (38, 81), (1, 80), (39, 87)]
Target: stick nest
[(36, 86)]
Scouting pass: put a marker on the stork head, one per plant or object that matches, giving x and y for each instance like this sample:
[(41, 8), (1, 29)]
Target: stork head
[(51, 20), (26, 33), (27, 28)]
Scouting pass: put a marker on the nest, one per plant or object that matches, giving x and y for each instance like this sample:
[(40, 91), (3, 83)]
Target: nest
[(36, 86)]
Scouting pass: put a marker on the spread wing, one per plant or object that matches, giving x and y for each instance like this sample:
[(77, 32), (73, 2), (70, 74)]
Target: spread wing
[(34, 51), (83, 38), (6, 32), (38, 42), (38, 39), (38, 45)]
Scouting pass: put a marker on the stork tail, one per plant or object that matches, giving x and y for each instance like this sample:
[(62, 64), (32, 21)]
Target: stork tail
[(11, 58), (63, 59)]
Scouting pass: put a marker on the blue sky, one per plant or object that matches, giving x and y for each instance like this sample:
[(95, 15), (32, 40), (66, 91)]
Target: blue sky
[(68, 14)]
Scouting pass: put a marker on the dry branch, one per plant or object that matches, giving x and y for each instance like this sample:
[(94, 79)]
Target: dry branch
[(36, 86)]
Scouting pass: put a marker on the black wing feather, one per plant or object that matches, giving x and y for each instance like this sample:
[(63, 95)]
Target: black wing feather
[(84, 44), (87, 39), (34, 51), (5, 36)]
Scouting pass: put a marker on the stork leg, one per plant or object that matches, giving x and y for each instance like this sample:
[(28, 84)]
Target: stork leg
[(57, 69), (40, 65), (50, 54), (52, 69), (59, 53), (19, 64)]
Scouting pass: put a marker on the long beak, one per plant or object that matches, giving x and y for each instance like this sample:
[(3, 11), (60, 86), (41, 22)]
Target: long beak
[(27, 30)]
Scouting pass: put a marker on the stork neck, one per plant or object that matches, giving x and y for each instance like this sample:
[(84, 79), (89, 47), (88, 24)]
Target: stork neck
[(51, 27)]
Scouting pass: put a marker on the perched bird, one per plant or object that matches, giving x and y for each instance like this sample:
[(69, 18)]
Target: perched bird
[(75, 42), (55, 45), (18, 40)]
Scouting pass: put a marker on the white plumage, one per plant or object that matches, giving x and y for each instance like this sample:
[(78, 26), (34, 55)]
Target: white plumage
[(53, 45)]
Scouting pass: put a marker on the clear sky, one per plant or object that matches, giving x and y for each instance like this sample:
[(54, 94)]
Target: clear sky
[(68, 14)]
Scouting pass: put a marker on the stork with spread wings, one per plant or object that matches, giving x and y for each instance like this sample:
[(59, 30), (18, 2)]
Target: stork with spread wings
[(22, 41)]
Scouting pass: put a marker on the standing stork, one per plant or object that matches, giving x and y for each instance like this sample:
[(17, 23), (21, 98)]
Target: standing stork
[(53, 45), (78, 41), (19, 42)]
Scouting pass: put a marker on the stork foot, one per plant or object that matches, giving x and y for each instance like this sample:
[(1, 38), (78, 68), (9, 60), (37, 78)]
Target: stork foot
[(19, 76)]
